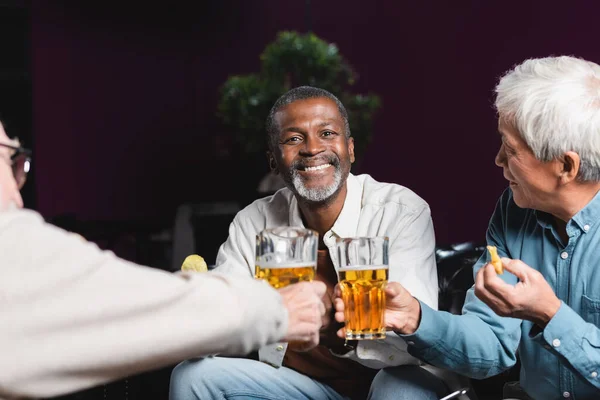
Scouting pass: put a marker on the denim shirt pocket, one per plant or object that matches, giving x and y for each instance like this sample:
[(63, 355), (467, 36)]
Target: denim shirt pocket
[(590, 309)]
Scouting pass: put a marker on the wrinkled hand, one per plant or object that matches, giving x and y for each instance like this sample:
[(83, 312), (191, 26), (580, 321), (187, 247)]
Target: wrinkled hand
[(530, 299), (402, 311), (306, 313)]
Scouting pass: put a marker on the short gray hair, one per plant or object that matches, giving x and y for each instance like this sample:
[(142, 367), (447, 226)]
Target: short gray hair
[(554, 103), (296, 94)]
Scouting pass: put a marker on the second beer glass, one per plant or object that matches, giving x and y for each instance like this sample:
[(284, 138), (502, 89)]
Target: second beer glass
[(363, 275)]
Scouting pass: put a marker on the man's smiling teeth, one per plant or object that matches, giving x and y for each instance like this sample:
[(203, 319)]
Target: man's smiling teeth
[(317, 168)]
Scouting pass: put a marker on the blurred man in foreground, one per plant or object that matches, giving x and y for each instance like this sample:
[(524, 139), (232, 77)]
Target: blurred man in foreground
[(546, 305), (72, 316)]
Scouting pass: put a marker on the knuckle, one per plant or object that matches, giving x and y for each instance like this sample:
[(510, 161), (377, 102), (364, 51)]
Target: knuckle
[(479, 288)]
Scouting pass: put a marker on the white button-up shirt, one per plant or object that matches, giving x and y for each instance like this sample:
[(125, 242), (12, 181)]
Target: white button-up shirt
[(371, 208)]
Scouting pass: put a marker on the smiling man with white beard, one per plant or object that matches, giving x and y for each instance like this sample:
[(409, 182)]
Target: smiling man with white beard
[(311, 146)]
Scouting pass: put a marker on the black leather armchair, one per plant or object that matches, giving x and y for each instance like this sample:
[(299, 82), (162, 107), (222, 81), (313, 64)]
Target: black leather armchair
[(455, 273)]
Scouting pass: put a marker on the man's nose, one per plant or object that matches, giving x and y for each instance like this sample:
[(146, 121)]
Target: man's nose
[(313, 145), (500, 159)]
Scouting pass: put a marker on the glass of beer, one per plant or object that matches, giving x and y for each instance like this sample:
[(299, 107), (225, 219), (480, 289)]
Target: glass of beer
[(363, 275), (286, 255)]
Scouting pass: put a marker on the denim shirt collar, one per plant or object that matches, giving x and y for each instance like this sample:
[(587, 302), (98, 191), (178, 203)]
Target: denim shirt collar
[(586, 218), (589, 215)]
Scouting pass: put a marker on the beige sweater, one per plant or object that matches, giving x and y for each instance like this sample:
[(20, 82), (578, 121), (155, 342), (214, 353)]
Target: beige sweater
[(73, 316)]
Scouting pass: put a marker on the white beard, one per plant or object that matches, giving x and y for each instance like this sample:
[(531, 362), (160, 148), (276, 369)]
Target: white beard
[(317, 195)]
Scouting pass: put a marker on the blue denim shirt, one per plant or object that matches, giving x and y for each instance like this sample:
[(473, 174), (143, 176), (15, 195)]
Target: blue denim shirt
[(563, 360)]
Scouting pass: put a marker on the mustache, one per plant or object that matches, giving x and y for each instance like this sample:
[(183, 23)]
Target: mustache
[(326, 159)]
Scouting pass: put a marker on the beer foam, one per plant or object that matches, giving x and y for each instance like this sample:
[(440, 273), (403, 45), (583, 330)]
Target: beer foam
[(296, 264), (363, 268)]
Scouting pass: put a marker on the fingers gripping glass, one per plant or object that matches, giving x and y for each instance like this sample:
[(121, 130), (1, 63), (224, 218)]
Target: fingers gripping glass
[(20, 163)]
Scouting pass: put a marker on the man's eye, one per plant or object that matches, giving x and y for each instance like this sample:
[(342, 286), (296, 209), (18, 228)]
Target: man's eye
[(507, 148), (328, 133), (293, 139)]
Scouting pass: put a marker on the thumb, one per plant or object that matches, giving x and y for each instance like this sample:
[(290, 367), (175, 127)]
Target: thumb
[(319, 287), (516, 267), (393, 289)]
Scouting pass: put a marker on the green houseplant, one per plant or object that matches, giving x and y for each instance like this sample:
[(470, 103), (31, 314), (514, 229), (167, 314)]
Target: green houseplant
[(291, 60)]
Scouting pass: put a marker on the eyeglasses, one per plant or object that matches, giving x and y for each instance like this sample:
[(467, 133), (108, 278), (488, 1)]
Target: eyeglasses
[(20, 163)]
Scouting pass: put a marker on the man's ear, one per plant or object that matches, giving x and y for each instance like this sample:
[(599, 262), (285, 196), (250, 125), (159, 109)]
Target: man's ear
[(570, 163), (272, 162), (351, 148)]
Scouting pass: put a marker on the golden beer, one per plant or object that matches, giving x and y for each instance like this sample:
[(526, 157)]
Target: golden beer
[(363, 293), (279, 276)]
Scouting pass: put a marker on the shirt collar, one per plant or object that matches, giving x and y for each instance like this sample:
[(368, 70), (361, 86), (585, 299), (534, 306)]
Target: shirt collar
[(295, 217), (346, 224), (587, 217), (543, 219)]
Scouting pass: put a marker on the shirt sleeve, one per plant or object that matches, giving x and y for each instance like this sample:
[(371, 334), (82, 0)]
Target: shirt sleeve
[(478, 343), (236, 255), (574, 341), (412, 256), (74, 316)]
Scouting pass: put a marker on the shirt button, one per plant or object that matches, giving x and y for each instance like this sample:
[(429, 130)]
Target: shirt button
[(410, 342), (556, 343), (586, 227), (594, 374), (279, 348), (566, 395), (564, 255)]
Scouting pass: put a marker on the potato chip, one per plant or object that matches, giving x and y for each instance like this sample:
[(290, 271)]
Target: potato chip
[(194, 263), (495, 260)]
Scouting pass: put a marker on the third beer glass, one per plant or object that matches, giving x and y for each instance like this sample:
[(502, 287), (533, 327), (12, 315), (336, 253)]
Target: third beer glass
[(286, 255), (363, 275)]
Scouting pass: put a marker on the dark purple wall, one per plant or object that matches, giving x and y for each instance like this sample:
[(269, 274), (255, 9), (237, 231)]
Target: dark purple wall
[(124, 99)]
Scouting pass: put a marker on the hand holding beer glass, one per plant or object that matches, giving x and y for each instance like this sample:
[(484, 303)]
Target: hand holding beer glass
[(363, 275), (286, 255)]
